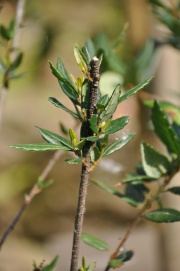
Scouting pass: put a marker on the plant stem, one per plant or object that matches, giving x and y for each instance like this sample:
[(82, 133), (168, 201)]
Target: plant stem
[(78, 224)]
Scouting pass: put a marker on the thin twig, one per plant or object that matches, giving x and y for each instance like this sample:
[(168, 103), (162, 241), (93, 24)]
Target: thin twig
[(28, 198), (85, 165)]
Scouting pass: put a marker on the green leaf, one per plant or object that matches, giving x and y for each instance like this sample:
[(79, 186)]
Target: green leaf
[(60, 105), (175, 190), (63, 128), (95, 154), (51, 266), (118, 144), (136, 178), (87, 54), (111, 106), (74, 161), (73, 137), (91, 138), (164, 129), (163, 215), (115, 263), (103, 102), (80, 145), (40, 147), (134, 90), (11, 29), (2, 67), (65, 83), (136, 191), (54, 138), (115, 192), (44, 184), (125, 255), (154, 163), (93, 124), (116, 125), (85, 94), (94, 242), (15, 64), (171, 110), (91, 267), (81, 59), (4, 32)]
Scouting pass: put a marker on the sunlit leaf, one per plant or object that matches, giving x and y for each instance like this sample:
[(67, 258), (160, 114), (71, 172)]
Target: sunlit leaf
[(95, 154), (163, 215), (60, 105), (81, 59), (134, 90), (116, 125), (101, 104), (73, 137), (51, 266), (111, 106), (118, 144), (54, 138), (154, 163), (94, 242), (40, 147), (74, 161)]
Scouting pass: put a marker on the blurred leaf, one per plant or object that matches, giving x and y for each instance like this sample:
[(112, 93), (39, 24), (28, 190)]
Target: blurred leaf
[(4, 32), (91, 267), (175, 190), (91, 138), (95, 154), (115, 263), (15, 64), (135, 177), (40, 147), (91, 48), (134, 90), (93, 124), (112, 104), (74, 161), (51, 266), (172, 110), (81, 59), (115, 192), (60, 105), (2, 67), (125, 255), (63, 128), (11, 29), (122, 36), (54, 138), (163, 215), (136, 191), (154, 163), (86, 53), (85, 94), (94, 242), (80, 145), (116, 125), (118, 144), (44, 184), (164, 129)]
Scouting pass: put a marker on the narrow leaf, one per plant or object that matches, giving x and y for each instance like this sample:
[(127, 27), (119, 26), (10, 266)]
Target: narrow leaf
[(94, 242), (81, 59), (93, 124), (136, 178), (115, 263), (40, 147), (118, 144), (44, 184), (154, 163), (163, 215), (60, 105), (74, 161), (111, 105), (54, 138), (164, 129), (134, 90), (103, 102), (115, 192), (51, 266), (175, 190), (15, 64), (116, 125), (2, 67)]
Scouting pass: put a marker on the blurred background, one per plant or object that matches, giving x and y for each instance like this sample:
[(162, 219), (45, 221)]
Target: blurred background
[(51, 29)]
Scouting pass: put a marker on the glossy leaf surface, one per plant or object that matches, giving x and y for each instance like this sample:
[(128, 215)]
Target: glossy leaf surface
[(154, 163), (40, 147), (116, 125), (94, 242), (163, 215), (118, 144)]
